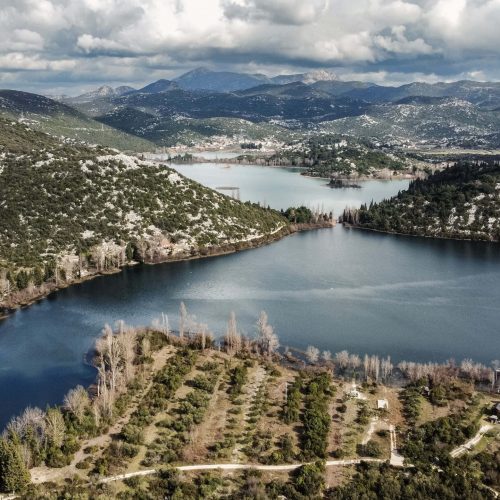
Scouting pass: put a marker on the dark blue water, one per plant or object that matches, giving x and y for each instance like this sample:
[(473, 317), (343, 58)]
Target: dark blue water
[(412, 298)]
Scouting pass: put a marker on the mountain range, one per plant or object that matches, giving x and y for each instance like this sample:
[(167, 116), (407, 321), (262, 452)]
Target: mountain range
[(203, 103)]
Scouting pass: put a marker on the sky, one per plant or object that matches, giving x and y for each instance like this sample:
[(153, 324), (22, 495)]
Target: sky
[(71, 46)]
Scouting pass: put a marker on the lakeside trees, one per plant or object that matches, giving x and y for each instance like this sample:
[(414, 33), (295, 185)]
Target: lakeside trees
[(461, 202), (267, 340), (54, 435)]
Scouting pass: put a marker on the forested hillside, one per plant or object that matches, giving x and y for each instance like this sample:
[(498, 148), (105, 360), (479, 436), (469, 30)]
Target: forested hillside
[(67, 210), (339, 156), (462, 201)]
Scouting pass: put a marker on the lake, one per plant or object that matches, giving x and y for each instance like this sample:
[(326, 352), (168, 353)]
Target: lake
[(412, 298)]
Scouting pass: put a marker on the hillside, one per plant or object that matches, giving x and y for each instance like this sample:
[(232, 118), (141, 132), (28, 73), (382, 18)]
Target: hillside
[(58, 119), (462, 201), (67, 211), (440, 121), (333, 155), (171, 131)]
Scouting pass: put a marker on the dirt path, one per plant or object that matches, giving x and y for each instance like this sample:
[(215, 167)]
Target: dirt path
[(237, 466), (44, 474), (460, 450), (397, 460)]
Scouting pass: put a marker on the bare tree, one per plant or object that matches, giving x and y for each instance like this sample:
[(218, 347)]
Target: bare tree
[(126, 340), (386, 368), (182, 319), (55, 427), (326, 356), (204, 335), (26, 455), (110, 351), (96, 412), (312, 354), (165, 325), (77, 401), (342, 359), (366, 366), (232, 339), (267, 340), (31, 422), (354, 362)]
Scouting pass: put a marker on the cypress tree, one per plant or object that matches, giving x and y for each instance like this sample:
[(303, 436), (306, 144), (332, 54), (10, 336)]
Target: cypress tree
[(14, 475)]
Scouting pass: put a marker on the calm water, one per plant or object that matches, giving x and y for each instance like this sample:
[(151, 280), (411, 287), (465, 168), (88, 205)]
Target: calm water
[(337, 289)]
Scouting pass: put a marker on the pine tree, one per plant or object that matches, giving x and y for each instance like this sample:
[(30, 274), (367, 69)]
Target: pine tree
[(14, 475)]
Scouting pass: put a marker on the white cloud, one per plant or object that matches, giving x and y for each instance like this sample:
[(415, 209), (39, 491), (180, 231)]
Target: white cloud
[(90, 44), (291, 12), (89, 36)]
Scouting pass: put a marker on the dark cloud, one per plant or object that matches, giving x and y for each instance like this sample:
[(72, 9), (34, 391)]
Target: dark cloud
[(62, 43)]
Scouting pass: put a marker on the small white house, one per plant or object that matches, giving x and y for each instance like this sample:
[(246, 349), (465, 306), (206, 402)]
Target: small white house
[(382, 404)]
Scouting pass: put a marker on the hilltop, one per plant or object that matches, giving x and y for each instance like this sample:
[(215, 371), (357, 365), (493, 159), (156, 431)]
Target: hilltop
[(462, 201), (68, 211)]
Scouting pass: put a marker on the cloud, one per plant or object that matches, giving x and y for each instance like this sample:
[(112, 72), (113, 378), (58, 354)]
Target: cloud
[(134, 41), (288, 12), (90, 44)]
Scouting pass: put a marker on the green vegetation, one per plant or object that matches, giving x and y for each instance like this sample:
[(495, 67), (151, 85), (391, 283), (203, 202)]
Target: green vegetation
[(14, 475), (490, 467), (57, 119), (462, 201), (69, 210), (299, 215), (453, 481), (315, 418), (166, 131), (432, 441), (238, 378), (336, 155), (291, 409)]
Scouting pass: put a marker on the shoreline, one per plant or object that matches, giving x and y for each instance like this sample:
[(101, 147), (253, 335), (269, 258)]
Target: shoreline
[(234, 161), (49, 289), (365, 178), (394, 233)]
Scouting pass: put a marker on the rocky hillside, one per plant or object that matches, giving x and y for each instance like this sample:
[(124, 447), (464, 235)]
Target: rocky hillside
[(462, 201), (68, 210), (439, 121)]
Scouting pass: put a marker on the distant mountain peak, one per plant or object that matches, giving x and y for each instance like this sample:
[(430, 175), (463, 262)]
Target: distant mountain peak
[(161, 85), (202, 70), (320, 75), (104, 91)]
